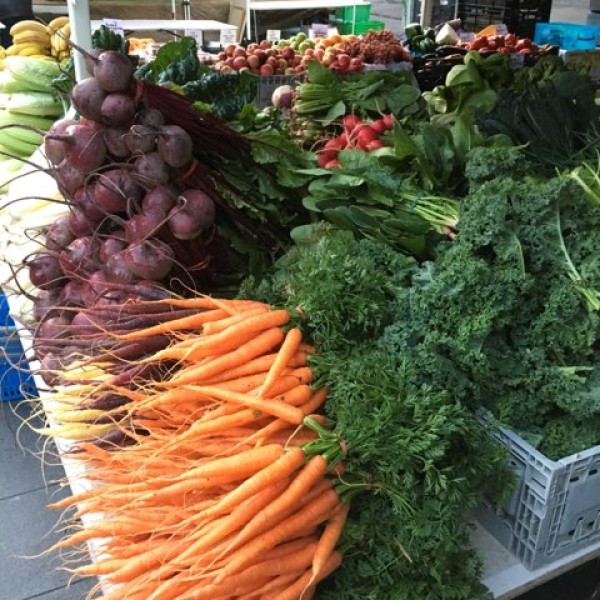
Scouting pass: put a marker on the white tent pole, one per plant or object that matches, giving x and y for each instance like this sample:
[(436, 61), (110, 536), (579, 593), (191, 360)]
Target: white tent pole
[(426, 10), (81, 33)]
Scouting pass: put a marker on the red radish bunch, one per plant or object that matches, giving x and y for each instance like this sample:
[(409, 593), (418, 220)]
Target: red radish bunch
[(505, 44), (357, 135)]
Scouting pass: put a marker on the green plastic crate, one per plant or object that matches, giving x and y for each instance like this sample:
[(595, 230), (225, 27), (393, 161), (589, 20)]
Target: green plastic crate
[(345, 27), (346, 13)]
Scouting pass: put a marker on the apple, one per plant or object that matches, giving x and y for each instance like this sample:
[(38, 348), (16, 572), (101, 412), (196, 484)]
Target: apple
[(230, 49), (282, 64), (262, 56), (253, 61), (252, 47), (266, 70), (265, 44), (222, 56), (290, 71), (272, 61), (239, 62), (288, 53), (309, 52)]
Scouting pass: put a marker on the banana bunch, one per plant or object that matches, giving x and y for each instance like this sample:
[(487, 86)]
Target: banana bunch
[(30, 38), (60, 32)]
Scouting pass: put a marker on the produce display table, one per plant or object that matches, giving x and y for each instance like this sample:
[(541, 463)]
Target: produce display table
[(170, 25), (506, 577), (261, 5)]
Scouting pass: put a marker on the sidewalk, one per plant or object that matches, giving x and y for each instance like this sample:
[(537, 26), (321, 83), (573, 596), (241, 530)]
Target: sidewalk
[(27, 527)]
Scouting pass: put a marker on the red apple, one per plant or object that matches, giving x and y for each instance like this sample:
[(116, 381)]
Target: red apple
[(229, 50), (239, 62), (266, 70), (253, 61)]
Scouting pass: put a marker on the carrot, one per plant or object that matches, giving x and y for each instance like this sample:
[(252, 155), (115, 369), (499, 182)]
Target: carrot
[(329, 538), (217, 326), (239, 582), (277, 583), (236, 519), (257, 365), (316, 401), (282, 467), (229, 339), (270, 406), (192, 322), (288, 349), (299, 590), (103, 567), (314, 470), (262, 343), (312, 513)]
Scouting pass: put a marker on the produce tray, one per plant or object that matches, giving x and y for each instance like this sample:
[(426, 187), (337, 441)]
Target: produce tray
[(568, 36), (16, 380), (268, 84), (554, 509)]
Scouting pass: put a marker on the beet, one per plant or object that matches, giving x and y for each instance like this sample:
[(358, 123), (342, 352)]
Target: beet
[(75, 293), (54, 328), (151, 170), (59, 235), (80, 257), (140, 139), (118, 110), (85, 200), (117, 269), (175, 146), (109, 247), (55, 150), (151, 117), (150, 259), (116, 144), (69, 178), (150, 290), (79, 224), (115, 190), (114, 71), (161, 197), (194, 213), (45, 303), (45, 271), (90, 59), (87, 97), (85, 147), (144, 225), (84, 324)]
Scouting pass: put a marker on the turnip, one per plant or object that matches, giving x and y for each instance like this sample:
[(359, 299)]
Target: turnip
[(283, 96), (118, 110), (87, 97), (193, 214), (151, 170), (140, 139), (175, 146), (45, 271), (115, 191), (150, 259), (113, 70)]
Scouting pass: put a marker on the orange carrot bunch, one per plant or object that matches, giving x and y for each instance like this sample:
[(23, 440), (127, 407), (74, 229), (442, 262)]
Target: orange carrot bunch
[(227, 492)]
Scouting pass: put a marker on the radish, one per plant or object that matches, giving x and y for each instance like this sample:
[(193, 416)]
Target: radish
[(379, 126), (374, 145), (388, 121), (350, 122)]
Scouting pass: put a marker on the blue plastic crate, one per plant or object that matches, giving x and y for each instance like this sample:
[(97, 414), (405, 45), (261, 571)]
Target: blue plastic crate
[(554, 510), (5, 320), (16, 381), (569, 36)]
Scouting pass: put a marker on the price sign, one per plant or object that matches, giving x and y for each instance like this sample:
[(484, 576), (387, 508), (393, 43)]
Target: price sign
[(501, 29), (227, 37), (115, 25), (273, 35), (196, 34)]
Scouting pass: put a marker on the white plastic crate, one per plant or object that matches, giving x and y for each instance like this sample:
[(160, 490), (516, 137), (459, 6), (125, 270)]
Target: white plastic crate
[(554, 509)]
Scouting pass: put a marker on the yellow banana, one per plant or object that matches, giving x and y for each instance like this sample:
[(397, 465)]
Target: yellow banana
[(2, 52), (27, 25), (61, 43), (57, 23), (66, 30), (32, 37), (30, 50)]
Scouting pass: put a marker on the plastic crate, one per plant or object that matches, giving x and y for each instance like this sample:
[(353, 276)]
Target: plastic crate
[(346, 13), (554, 509), (16, 381), (268, 84), (568, 36), (359, 28), (5, 320)]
